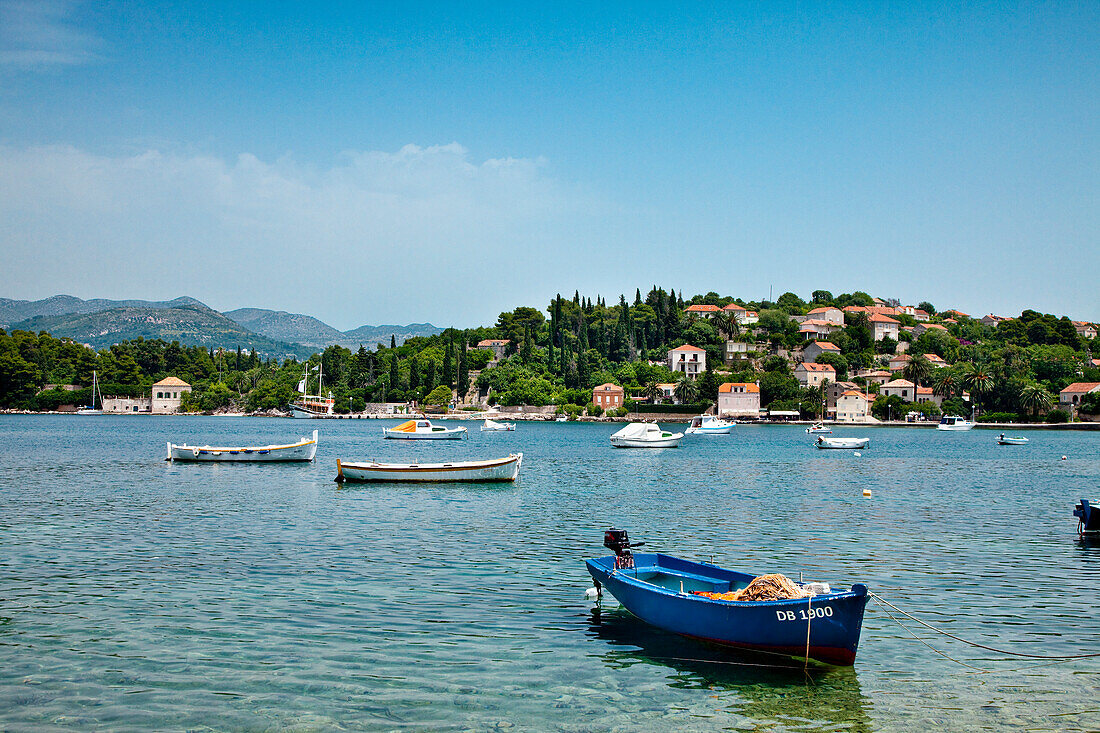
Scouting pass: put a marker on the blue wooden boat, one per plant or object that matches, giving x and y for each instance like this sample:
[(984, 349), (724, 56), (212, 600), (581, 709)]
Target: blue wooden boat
[(1088, 514), (659, 589)]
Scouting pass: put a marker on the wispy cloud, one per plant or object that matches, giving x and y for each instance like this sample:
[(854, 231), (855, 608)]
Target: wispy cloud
[(37, 34), (373, 225)]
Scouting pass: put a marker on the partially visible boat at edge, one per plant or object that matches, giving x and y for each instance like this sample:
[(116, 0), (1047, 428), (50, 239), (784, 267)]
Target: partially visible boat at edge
[(954, 422), (423, 430), (497, 470), (842, 443), (709, 425), (645, 435), (662, 591), (304, 450)]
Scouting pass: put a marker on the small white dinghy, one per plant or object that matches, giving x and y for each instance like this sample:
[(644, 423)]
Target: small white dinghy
[(303, 450), (423, 430), (645, 435), (492, 426), (709, 425), (1003, 439), (819, 429), (500, 469), (842, 443)]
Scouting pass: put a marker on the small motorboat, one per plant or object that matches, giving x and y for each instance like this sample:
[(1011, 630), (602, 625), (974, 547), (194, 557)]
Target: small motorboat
[(842, 443), (501, 469), (561, 418), (423, 430), (690, 598), (1003, 439), (709, 425), (492, 426), (1088, 516), (818, 429), (645, 435), (954, 422), (303, 450)]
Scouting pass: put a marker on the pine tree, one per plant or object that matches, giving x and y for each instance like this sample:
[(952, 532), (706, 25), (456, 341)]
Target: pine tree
[(429, 375), (394, 378), (637, 296), (463, 374), (414, 373)]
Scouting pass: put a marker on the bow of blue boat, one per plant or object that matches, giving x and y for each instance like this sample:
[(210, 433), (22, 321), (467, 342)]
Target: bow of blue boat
[(663, 591)]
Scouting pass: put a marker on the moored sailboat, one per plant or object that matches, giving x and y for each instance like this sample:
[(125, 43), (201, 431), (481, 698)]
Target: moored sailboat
[(313, 405), (92, 409)]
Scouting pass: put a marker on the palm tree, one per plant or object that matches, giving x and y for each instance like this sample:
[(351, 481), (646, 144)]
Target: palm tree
[(1035, 399), (945, 383), (916, 370), (979, 381), (651, 392), (727, 323), (686, 391)]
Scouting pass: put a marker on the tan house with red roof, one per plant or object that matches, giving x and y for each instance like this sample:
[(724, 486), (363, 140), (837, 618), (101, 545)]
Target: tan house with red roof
[(608, 396), (167, 394), (813, 329), (829, 313), (809, 374), (688, 359), (743, 315), (739, 399), (497, 346), (1085, 329), (854, 406), (884, 326), (1071, 396), (920, 328), (703, 311)]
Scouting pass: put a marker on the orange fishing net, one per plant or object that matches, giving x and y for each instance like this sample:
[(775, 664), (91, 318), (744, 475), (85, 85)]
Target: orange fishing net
[(773, 587)]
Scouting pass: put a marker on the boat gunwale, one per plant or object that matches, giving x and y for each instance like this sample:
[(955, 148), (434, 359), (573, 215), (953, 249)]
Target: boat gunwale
[(442, 467), (253, 448)]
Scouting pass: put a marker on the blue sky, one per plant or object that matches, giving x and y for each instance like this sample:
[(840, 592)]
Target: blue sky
[(395, 163)]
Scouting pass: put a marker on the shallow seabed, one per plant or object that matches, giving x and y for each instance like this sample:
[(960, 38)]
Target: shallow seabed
[(141, 594)]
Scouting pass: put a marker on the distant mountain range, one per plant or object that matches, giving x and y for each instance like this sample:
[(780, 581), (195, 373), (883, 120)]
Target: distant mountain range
[(101, 322)]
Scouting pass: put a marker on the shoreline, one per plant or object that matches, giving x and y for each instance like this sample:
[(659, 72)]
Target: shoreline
[(539, 417)]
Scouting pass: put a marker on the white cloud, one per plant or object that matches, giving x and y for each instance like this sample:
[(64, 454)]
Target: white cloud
[(424, 232), (37, 34)]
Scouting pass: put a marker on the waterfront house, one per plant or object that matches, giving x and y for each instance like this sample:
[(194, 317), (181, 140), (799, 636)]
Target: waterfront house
[(902, 388), (854, 406), (1070, 397), (739, 399), (875, 376), (829, 313), (833, 393), (130, 405), (703, 311), (166, 395), (667, 392), (925, 394), (809, 374), (884, 326), (814, 349), (688, 359), (608, 396)]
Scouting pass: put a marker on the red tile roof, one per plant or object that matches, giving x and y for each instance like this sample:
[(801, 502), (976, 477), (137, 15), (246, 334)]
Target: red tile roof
[(728, 386), (702, 308), (689, 347), (811, 367), (733, 307), (879, 318), (1081, 388), (826, 345)]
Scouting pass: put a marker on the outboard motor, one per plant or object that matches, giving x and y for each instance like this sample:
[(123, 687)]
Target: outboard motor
[(618, 542), (1087, 512)]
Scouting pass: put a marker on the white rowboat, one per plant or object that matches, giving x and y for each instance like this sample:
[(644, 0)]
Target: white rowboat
[(500, 469), (491, 426), (303, 450), (645, 435), (842, 443), (1003, 439), (423, 430)]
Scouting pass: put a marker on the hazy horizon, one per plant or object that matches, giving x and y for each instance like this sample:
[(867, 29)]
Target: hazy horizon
[(381, 164)]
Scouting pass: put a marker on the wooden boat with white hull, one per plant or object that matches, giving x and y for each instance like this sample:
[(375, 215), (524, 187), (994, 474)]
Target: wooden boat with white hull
[(496, 470), (303, 450), (492, 426), (842, 443), (423, 430)]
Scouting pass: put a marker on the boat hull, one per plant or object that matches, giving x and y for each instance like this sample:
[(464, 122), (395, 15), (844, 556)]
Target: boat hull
[(500, 470), (304, 450), (709, 431), (447, 434), (637, 443), (1012, 441), (842, 443), (651, 592)]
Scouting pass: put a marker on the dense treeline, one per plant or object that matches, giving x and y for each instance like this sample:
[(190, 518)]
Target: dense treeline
[(558, 355)]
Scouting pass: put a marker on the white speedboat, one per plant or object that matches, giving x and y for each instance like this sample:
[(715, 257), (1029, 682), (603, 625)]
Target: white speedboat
[(304, 450), (819, 429), (842, 443), (501, 469), (709, 425), (645, 435), (92, 409), (954, 422), (423, 430), (1003, 439), (492, 426)]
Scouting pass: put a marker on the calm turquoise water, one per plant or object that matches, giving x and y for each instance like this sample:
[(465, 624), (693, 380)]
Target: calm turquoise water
[(139, 594)]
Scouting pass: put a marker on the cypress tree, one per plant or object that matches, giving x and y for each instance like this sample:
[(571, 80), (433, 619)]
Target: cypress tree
[(393, 341), (637, 296), (394, 383), (463, 373), (448, 376), (414, 373)]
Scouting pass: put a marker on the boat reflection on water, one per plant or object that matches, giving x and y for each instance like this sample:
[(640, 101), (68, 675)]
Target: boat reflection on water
[(762, 687)]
